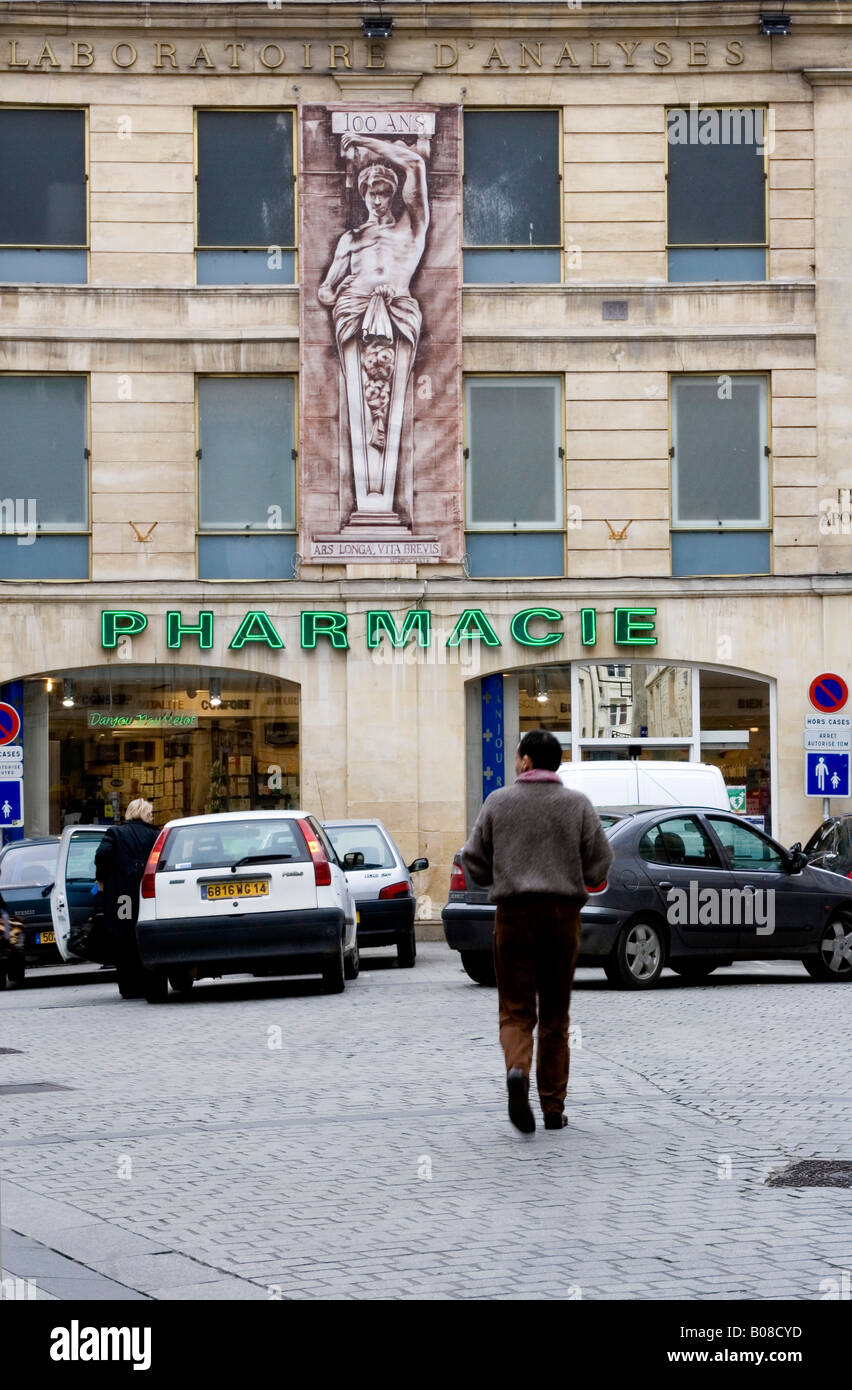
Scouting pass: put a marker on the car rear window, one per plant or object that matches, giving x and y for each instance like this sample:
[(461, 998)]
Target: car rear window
[(31, 866), (365, 839), (212, 846)]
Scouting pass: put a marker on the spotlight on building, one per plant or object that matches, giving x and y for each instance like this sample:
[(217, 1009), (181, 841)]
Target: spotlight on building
[(774, 24), (68, 694), (541, 691), (48, 685), (215, 692), (377, 26)]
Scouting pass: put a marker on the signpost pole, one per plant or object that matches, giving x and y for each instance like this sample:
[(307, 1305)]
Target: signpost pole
[(826, 808)]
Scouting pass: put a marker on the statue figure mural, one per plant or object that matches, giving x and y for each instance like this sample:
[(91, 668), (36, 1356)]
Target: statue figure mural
[(376, 320)]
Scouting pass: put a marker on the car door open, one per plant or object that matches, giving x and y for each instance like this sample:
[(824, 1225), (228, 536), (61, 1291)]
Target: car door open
[(71, 898)]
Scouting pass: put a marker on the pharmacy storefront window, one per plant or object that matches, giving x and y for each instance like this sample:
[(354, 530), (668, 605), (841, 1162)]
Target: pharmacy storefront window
[(735, 737), (720, 475), (716, 182), (43, 217), (246, 477), (44, 477), (512, 198), (191, 740), (514, 477), (606, 711), (634, 709), (245, 190)]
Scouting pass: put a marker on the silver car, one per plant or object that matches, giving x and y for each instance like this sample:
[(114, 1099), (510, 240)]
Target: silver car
[(380, 883)]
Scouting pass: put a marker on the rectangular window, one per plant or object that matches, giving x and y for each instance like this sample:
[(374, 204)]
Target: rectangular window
[(515, 476), (720, 475), (43, 233), (246, 198), (716, 184), (246, 477), (512, 198), (44, 478)]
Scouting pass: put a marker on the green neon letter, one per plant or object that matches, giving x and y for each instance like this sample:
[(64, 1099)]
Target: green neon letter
[(118, 622), (628, 624), (256, 627), (330, 625), (588, 627), (417, 620), (473, 623), (176, 630), (521, 621)]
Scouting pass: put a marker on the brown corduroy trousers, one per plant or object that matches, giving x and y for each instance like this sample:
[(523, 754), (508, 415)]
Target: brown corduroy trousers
[(536, 942)]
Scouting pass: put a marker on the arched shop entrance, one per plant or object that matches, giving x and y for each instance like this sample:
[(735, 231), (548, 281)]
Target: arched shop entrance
[(621, 709), (190, 739)]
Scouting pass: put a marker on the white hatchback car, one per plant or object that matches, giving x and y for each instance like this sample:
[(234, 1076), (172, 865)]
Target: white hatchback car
[(245, 892)]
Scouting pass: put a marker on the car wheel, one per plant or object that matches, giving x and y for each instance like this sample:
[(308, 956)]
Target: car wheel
[(156, 986), (334, 973), (352, 963), (479, 966), (638, 958), (834, 960), (183, 979), (406, 951)]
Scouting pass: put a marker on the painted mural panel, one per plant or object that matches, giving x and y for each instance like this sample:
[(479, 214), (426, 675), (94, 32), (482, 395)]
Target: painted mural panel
[(380, 444)]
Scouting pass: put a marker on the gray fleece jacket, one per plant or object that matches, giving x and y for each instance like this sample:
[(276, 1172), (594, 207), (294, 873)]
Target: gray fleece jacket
[(537, 837)]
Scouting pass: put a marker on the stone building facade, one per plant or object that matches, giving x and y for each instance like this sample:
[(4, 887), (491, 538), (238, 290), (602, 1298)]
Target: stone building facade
[(489, 373)]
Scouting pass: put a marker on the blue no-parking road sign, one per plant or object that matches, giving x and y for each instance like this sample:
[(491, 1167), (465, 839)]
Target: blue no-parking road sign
[(11, 803), (827, 774)]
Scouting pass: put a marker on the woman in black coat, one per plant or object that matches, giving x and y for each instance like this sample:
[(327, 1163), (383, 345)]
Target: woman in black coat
[(119, 865)]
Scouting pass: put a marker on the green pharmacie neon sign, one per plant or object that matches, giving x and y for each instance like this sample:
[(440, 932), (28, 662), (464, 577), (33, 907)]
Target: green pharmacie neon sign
[(531, 627)]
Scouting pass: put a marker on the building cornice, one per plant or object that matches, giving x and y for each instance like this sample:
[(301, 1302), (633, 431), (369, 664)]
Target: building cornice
[(443, 589), (431, 17)]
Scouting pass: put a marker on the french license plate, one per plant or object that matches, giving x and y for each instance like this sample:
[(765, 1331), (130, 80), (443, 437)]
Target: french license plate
[(45, 938), (239, 888)]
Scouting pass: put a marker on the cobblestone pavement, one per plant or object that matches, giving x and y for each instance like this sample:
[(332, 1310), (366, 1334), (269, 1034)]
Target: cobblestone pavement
[(264, 1140)]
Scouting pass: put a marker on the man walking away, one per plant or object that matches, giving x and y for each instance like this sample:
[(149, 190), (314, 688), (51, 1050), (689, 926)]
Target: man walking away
[(119, 865), (537, 844)]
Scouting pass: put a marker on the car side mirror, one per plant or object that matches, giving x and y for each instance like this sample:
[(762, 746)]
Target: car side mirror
[(47, 890), (353, 860), (418, 866), (797, 860)]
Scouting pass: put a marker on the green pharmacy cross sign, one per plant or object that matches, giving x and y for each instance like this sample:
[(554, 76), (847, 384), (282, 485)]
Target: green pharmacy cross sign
[(531, 627)]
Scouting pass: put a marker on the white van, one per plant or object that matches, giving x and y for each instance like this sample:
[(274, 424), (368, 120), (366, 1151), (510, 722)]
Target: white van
[(635, 782)]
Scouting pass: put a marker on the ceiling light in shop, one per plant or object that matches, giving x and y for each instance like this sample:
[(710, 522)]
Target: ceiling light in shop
[(215, 693), (541, 693), (68, 694)]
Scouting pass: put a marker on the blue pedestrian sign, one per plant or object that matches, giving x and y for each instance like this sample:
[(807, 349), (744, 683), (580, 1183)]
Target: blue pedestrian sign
[(827, 774), (11, 803)]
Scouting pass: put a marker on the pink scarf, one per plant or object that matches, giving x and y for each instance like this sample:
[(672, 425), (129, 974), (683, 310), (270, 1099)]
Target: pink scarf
[(538, 774)]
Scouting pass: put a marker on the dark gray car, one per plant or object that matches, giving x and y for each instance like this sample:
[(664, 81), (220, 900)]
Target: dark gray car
[(693, 889)]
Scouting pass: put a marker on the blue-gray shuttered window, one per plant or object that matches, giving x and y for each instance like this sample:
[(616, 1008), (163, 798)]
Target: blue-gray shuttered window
[(43, 236), (246, 477), (245, 191)]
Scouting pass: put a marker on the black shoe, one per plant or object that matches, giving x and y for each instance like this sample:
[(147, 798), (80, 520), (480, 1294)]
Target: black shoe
[(554, 1119), (518, 1084)]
